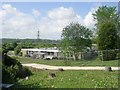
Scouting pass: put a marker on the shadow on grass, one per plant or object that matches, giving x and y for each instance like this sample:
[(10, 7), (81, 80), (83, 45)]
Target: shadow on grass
[(24, 87)]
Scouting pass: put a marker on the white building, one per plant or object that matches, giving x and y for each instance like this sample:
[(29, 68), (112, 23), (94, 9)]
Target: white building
[(49, 53)]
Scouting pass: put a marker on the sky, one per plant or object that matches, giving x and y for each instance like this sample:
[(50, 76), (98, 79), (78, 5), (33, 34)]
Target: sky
[(22, 20)]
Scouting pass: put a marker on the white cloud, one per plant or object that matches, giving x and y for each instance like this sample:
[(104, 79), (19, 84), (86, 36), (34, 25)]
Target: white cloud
[(9, 8), (17, 24), (35, 12), (52, 25), (61, 13), (89, 21)]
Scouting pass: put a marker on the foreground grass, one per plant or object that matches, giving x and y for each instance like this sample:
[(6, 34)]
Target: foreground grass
[(70, 79), (96, 62)]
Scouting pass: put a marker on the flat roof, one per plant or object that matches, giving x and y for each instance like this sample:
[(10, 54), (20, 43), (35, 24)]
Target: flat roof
[(45, 50)]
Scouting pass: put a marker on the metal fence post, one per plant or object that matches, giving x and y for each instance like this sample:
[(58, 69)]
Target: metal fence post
[(102, 56)]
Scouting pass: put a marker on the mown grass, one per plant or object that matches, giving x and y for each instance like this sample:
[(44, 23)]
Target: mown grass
[(70, 79), (95, 62)]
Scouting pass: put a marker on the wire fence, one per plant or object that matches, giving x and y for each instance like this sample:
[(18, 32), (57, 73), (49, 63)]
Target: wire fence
[(103, 55)]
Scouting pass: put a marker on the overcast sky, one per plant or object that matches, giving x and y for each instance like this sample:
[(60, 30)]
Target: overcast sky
[(24, 19)]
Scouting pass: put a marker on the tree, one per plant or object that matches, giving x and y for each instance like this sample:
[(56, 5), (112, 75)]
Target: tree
[(13, 45), (5, 48), (106, 14), (17, 50), (107, 25), (75, 38)]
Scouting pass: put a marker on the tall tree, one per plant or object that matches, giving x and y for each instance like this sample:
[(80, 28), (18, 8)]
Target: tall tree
[(75, 38), (106, 14), (107, 26)]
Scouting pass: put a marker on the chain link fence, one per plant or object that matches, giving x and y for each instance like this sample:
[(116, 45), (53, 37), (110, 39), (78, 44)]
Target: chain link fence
[(103, 55)]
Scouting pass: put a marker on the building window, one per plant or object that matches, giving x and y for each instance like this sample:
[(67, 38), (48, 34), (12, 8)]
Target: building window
[(48, 53), (52, 53)]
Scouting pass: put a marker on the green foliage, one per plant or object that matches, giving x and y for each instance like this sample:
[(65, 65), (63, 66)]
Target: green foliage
[(12, 70), (22, 72), (8, 61), (107, 37), (118, 55), (75, 38), (20, 53), (94, 40), (5, 48), (13, 73), (32, 43), (106, 14), (71, 79), (8, 46), (8, 74), (13, 45), (109, 55), (17, 50), (118, 41), (67, 62), (107, 25)]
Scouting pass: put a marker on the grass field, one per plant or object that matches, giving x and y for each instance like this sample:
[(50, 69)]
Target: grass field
[(70, 79), (96, 62)]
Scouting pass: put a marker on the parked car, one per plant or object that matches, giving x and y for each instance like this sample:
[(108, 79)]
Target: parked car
[(49, 57)]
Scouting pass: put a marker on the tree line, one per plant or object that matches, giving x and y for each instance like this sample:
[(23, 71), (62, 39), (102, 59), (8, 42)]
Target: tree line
[(16, 44)]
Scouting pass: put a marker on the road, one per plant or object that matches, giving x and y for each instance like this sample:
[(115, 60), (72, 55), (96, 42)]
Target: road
[(48, 67)]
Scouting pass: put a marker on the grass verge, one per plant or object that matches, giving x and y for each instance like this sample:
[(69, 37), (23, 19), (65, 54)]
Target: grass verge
[(95, 62)]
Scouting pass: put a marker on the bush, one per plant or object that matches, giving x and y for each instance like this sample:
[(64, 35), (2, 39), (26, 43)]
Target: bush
[(108, 55), (20, 54), (12, 70), (27, 55), (22, 72), (8, 61), (8, 74), (118, 56), (17, 50)]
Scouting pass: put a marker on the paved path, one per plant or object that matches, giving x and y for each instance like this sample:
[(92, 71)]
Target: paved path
[(42, 66)]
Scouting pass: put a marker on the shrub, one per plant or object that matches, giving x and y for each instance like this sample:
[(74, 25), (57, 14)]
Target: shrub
[(20, 53), (27, 55), (22, 72), (12, 70), (17, 50), (109, 55), (8, 61), (118, 55), (8, 74)]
